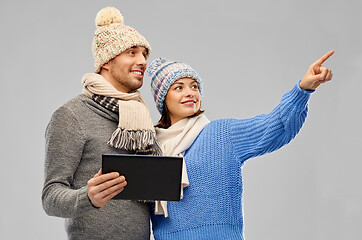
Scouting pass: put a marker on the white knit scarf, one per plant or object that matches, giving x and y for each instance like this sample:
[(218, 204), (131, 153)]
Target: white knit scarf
[(135, 128), (174, 141)]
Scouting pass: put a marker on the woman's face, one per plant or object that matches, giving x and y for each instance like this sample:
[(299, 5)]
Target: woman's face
[(183, 99)]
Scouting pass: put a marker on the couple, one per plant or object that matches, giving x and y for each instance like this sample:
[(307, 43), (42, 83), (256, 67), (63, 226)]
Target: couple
[(111, 117)]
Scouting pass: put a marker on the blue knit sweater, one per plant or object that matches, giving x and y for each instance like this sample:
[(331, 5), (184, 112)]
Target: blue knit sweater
[(212, 205)]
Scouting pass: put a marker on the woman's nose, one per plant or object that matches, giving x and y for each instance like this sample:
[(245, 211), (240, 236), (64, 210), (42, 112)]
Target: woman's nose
[(189, 92)]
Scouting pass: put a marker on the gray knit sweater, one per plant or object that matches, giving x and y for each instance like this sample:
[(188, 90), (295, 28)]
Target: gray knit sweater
[(76, 138)]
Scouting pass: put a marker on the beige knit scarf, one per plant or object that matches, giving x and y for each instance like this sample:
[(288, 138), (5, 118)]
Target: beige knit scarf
[(174, 141), (135, 130)]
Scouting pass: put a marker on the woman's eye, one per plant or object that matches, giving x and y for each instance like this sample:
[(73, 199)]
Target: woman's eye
[(194, 86), (178, 88)]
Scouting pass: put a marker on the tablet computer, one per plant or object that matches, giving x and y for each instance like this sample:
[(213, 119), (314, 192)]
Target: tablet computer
[(148, 177)]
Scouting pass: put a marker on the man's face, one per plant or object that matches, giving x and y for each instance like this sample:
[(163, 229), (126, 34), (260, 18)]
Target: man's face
[(127, 69)]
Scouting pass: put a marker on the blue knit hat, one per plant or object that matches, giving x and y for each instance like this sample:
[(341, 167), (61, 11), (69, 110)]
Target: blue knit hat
[(164, 73)]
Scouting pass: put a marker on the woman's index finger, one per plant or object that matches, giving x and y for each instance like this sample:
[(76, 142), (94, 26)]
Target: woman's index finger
[(324, 58)]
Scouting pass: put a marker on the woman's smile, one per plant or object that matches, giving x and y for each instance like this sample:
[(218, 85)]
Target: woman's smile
[(183, 99)]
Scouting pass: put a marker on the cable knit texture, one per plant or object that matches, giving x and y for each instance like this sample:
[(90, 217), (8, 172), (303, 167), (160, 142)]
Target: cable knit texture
[(212, 204)]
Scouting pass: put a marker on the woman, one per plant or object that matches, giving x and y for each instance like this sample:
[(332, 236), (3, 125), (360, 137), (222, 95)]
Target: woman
[(214, 152)]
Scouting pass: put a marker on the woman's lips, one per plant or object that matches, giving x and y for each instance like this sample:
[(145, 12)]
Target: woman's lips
[(189, 102)]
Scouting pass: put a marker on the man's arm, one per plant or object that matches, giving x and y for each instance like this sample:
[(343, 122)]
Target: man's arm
[(65, 143)]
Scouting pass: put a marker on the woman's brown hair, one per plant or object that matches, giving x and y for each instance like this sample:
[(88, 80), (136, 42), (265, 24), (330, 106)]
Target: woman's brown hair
[(165, 120)]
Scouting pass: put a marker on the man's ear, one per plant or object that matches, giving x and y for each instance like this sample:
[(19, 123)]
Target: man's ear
[(106, 66)]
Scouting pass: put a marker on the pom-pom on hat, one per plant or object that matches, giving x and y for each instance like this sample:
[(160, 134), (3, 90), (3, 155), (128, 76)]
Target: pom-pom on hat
[(112, 37), (164, 73)]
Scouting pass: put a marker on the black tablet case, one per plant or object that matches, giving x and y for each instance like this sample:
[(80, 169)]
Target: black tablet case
[(148, 177)]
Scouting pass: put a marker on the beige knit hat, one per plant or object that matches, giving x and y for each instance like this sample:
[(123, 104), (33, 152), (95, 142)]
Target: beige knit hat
[(112, 37)]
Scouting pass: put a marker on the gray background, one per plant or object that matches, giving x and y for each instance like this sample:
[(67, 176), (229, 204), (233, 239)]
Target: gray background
[(247, 52)]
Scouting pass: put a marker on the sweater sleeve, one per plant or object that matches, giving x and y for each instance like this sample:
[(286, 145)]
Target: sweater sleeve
[(63, 152), (268, 132)]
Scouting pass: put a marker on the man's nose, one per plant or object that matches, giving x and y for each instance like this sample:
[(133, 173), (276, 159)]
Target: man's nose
[(141, 60)]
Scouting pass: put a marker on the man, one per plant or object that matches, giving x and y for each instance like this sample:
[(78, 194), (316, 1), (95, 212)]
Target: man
[(109, 117)]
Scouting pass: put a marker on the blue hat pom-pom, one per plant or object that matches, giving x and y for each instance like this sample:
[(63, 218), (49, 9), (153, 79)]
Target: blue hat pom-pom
[(155, 65)]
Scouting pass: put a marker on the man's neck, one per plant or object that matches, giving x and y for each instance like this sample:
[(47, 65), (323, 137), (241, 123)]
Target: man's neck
[(105, 74)]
